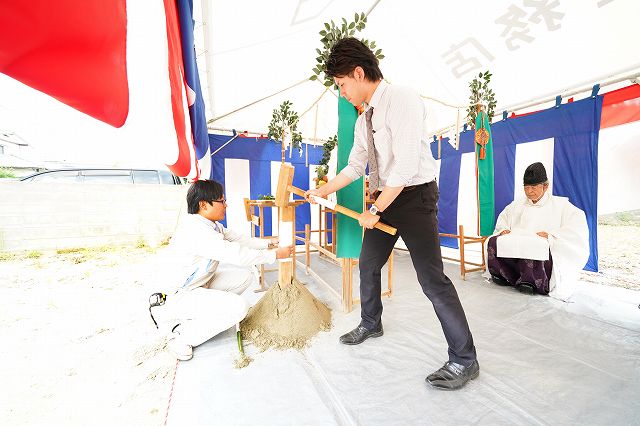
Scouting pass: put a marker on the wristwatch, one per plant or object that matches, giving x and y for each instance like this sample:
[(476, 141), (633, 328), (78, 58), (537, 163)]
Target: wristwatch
[(374, 209)]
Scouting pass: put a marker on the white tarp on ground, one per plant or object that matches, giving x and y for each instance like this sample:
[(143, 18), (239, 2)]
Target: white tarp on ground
[(541, 362)]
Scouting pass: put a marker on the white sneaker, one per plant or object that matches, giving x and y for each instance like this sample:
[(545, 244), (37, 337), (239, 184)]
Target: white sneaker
[(180, 350)]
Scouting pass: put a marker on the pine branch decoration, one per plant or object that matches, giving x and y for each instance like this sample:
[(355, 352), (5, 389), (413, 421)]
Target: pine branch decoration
[(330, 35)]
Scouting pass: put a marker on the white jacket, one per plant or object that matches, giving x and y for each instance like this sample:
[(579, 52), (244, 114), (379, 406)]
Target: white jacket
[(568, 236), (199, 246)]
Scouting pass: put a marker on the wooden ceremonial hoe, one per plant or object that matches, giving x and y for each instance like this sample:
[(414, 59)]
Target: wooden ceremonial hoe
[(285, 188)]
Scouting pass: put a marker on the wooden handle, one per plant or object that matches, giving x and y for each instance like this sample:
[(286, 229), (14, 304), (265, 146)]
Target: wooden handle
[(296, 191), (381, 226), (386, 228), (348, 212)]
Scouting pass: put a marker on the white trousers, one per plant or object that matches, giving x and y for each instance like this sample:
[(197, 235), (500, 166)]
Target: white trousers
[(198, 315)]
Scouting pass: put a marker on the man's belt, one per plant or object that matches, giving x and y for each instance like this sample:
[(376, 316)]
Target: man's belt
[(406, 188), (412, 187)]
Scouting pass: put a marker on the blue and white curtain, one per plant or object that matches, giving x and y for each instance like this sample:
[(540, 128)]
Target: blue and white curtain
[(563, 138), (249, 167)]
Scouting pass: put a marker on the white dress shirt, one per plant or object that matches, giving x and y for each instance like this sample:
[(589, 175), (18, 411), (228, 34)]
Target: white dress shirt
[(402, 151)]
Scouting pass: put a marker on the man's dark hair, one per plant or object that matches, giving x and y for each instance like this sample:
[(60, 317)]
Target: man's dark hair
[(349, 53), (203, 190)]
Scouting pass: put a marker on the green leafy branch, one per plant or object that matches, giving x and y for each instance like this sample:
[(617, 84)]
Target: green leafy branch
[(327, 147), (330, 35), (481, 94), (6, 172), (284, 120)]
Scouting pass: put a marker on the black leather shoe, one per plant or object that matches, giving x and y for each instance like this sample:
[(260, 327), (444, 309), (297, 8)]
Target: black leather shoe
[(359, 335), (526, 288), (453, 376), (499, 280)]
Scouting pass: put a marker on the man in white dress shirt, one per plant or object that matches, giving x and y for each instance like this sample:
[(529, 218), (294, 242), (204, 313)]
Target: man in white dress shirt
[(390, 139), (207, 268), (550, 220)]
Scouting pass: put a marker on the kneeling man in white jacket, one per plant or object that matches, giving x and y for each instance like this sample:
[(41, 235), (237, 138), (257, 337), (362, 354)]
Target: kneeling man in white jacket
[(209, 266)]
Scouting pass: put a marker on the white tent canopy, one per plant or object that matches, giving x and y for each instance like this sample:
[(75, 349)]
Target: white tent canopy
[(533, 48), (258, 48)]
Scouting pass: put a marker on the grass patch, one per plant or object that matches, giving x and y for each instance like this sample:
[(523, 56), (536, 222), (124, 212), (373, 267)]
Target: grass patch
[(7, 257), (83, 254), (626, 218), (91, 251), (70, 250), (142, 245), (7, 173), (34, 254)]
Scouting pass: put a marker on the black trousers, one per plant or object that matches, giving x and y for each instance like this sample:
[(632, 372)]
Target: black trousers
[(414, 214)]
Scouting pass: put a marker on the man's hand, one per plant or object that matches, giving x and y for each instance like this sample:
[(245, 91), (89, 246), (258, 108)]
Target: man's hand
[(315, 192), (284, 252), (338, 182), (273, 242), (543, 234), (505, 232), (368, 220)]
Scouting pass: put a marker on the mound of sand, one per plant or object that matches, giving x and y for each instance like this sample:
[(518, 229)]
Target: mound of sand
[(286, 318)]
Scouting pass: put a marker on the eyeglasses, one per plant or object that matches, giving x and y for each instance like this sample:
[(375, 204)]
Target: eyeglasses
[(223, 201)]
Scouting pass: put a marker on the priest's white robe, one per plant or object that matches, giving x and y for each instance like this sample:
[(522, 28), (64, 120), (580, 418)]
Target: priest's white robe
[(568, 236)]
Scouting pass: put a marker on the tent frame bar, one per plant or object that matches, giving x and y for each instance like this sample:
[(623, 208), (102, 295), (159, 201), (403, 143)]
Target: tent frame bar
[(314, 141), (584, 87), (631, 74)]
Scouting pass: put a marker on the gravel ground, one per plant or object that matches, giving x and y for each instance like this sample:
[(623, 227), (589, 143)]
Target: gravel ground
[(619, 256), (78, 344)]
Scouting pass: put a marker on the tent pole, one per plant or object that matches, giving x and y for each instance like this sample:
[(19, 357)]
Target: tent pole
[(257, 101), (207, 18), (373, 6), (315, 132)]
